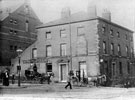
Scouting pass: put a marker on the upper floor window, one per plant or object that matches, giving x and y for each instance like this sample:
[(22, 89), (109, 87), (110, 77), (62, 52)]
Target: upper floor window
[(132, 52), (112, 48), (127, 50), (80, 31), (27, 25), (111, 32), (103, 29), (126, 37), (15, 22), (131, 39), (119, 50), (63, 34), (48, 50), (104, 47), (11, 20), (118, 34), (63, 49), (11, 31), (34, 53), (48, 35)]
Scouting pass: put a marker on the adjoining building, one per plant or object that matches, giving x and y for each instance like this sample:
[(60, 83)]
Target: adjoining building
[(84, 43), (17, 28)]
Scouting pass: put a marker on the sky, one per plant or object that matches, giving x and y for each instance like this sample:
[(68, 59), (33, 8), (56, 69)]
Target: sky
[(122, 11)]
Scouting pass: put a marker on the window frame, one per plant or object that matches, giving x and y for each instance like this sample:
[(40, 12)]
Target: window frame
[(48, 35), (48, 52), (63, 51)]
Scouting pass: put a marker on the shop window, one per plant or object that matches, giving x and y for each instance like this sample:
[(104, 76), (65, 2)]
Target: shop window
[(128, 68), (120, 68)]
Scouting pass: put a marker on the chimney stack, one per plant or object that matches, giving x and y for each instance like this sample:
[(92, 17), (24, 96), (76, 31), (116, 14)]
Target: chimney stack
[(65, 13), (92, 11), (106, 15)]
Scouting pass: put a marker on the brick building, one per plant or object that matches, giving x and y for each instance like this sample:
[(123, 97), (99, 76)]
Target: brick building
[(17, 28), (86, 44)]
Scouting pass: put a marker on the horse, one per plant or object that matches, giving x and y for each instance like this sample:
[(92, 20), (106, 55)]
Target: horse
[(46, 77)]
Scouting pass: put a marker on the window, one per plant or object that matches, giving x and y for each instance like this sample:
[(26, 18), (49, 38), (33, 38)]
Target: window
[(126, 36), (63, 49), (119, 50), (127, 50), (113, 69), (15, 32), (15, 48), (15, 22), (104, 47), (111, 32), (48, 35), (120, 68), (131, 52), (63, 34), (118, 34), (80, 31), (11, 31), (128, 68), (11, 47), (112, 48), (103, 29), (49, 67), (34, 53), (48, 50), (11, 21), (27, 25), (131, 39)]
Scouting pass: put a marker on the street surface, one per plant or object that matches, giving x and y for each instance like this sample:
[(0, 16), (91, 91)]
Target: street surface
[(58, 92)]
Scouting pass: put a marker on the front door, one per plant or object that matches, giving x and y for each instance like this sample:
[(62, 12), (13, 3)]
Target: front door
[(63, 72)]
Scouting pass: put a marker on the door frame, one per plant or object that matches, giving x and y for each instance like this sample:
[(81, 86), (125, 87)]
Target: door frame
[(67, 70)]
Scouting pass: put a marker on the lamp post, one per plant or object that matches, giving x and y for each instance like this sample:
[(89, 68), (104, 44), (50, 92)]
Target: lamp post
[(19, 66)]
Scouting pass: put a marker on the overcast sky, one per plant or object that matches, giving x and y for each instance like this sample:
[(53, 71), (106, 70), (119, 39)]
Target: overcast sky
[(122, 11)]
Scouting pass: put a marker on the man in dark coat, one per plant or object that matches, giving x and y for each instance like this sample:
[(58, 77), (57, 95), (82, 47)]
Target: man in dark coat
[(6, 78)]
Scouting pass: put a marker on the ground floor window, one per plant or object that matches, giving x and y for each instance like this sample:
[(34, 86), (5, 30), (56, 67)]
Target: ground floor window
[(83, 69), (49, 67)]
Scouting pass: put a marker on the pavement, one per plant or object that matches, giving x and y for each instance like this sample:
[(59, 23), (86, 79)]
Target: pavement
[(57, 91)]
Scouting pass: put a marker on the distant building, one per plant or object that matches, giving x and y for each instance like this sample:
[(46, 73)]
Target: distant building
[(84, 43), (17, 28)]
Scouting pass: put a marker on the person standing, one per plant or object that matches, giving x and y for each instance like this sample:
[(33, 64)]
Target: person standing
[(69, 80), (6, 78)]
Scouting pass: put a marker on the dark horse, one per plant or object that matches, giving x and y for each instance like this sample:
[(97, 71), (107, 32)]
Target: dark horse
[(45, 77)]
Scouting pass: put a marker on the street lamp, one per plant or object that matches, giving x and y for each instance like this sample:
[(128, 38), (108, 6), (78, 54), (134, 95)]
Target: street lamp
[(19, 51)]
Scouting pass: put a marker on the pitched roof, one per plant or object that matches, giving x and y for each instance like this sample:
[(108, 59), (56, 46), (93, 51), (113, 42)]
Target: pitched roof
[(9, 6), (73, 18), (78, 17)]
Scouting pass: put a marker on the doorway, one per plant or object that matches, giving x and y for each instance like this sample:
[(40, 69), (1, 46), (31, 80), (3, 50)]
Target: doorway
[(63, 72)]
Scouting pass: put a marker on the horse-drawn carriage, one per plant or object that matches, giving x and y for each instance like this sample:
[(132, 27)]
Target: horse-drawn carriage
[(38, 77)]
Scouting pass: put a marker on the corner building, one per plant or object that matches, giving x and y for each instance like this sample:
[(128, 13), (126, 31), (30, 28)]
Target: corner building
[(84, 43)]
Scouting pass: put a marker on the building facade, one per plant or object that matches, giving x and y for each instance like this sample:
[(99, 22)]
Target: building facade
[(17, 29), (89, 45)]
